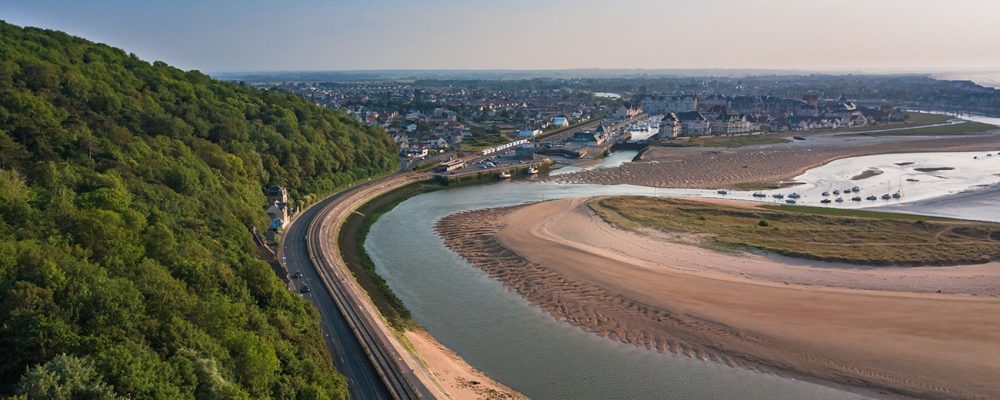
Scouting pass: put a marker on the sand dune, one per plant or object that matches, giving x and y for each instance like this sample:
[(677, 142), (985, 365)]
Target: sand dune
[(877, 331)]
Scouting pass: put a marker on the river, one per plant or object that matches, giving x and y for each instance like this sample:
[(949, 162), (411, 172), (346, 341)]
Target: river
[(611, 160), (499, 333)]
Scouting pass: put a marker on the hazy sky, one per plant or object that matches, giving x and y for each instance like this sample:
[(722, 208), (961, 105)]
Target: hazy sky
[(253, 35)]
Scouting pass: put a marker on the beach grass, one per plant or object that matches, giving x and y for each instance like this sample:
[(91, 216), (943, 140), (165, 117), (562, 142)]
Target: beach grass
[(827, 234), (849, 212)]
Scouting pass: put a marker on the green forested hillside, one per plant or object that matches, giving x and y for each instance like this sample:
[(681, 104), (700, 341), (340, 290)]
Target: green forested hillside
[(126, 189)]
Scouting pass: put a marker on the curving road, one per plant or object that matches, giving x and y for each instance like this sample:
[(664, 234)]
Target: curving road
[(363, 381), (364, 348)]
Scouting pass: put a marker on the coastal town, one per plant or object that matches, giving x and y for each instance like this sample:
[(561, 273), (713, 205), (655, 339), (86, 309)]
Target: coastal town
[(441, 121), (745, 160), (499, 200)]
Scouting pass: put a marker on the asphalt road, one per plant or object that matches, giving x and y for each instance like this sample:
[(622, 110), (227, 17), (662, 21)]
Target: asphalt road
[(363, 382)]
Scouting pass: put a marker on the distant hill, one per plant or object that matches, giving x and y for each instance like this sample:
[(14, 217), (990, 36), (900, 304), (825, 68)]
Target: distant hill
[(126, 189)]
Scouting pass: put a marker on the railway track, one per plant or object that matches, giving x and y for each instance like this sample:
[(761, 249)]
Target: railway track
[(333, 273)]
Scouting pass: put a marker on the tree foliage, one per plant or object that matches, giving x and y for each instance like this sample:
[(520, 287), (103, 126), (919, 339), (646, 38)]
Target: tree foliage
[(126, 189)]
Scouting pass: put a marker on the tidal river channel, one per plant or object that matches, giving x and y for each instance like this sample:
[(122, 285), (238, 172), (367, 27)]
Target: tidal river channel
[(499, 333)]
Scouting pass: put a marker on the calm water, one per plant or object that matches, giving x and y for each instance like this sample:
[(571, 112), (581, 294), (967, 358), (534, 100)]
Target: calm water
[(521, 346), (612, 160)]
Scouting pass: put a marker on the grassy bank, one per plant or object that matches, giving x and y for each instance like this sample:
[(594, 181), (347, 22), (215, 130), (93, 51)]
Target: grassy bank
[(914, 120), (351, 241), (847, 212), (851, 236), (965, 128), (740, 141)]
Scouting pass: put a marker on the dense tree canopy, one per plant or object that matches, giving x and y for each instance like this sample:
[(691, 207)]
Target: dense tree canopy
[(126, 189)]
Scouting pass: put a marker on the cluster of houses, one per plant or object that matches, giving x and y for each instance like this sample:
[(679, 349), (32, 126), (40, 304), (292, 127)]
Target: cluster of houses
[(415, 133), (696, 123), (419, 134), (435, 118), (714, 114), (426, 118)]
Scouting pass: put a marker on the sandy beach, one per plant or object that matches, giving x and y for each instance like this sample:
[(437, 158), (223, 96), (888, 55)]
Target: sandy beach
[(709, 168), (458, 379), (886, 332)]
